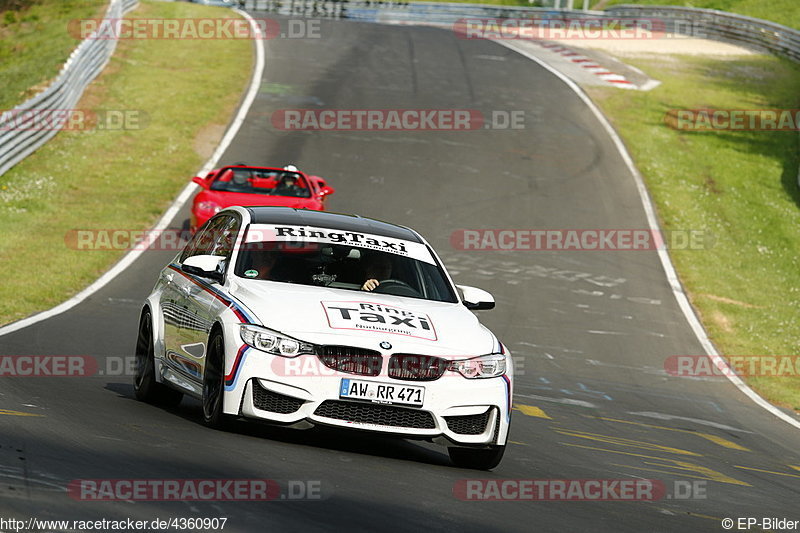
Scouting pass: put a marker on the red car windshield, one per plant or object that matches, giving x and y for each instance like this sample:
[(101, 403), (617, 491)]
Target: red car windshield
[(261, 181)]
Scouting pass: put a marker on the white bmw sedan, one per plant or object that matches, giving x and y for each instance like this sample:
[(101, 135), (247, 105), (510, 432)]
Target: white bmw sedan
[(304, 318)]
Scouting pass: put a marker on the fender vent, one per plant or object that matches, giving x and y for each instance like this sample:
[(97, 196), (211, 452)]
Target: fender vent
[(469, 424), (267, 400)]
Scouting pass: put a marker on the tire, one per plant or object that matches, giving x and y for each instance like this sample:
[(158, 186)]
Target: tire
[(145, 386), (214, 384), (476, 459)]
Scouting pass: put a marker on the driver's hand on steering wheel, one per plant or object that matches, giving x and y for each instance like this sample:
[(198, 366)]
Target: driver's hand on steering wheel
[(370, 285)]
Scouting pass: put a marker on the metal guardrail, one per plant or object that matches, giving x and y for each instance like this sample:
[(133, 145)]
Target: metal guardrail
[(758, 34), (377, 10), (706, 23), (83, 66), (720, 25), (92, 55)]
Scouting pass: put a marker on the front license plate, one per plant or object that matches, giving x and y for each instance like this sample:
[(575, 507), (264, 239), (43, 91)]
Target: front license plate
[(356, 389)]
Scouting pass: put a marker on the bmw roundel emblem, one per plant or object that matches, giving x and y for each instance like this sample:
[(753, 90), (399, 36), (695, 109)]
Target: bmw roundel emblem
[(386, 345)]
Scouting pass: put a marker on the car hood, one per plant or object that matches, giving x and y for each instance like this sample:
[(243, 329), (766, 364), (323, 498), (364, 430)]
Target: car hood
[(343, 317)]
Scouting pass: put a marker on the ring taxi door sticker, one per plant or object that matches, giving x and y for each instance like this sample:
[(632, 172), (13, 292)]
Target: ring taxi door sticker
[(368, 316), (301, 234)]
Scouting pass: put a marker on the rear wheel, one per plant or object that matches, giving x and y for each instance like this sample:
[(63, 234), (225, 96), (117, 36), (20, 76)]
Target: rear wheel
[(478, 459), (213, 384), (145, 386)]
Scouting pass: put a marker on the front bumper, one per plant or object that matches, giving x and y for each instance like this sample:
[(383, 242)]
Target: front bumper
[(464, 412)]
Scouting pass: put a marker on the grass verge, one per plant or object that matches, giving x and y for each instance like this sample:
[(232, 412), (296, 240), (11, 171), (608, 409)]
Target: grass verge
[(120, 179), (35, 43), (739, 186)]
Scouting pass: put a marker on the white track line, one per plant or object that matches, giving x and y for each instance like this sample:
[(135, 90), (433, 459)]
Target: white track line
[(669, 270), (176, 206)]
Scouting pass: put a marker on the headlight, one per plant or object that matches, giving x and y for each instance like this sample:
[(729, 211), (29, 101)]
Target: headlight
[(273, 342), (208, 206), (485, 366)]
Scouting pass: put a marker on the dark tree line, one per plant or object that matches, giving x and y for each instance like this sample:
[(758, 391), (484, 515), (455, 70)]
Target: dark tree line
[(15, 5)]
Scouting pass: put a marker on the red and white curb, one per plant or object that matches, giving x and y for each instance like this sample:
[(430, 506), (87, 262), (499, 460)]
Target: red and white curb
[(589, 64), (616, 80)]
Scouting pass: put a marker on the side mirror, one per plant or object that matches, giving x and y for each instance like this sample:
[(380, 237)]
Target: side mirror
[(325, 191), (200, 181), (476, 299), (205, 266)]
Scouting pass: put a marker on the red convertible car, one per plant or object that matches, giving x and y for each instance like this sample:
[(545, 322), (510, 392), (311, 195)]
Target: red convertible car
[(253, 186)]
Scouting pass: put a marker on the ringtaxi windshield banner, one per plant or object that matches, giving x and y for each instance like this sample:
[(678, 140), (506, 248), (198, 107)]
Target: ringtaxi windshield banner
[(309, 234)]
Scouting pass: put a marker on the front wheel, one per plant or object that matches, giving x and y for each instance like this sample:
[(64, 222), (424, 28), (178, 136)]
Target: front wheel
[(477, 459), (214, 385), (145, 386)]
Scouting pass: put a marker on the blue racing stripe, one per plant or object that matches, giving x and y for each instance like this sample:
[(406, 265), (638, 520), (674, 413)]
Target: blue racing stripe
[(245, 315)]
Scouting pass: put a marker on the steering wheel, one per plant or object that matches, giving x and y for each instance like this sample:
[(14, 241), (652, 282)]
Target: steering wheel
[(396, 287)]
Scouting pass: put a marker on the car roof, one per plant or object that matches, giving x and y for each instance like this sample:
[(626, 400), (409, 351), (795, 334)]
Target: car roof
[(322, 219)]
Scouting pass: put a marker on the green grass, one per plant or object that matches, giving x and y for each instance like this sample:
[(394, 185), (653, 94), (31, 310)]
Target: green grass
[(115, 179), (35, 43), (786, 12), (739, 186)]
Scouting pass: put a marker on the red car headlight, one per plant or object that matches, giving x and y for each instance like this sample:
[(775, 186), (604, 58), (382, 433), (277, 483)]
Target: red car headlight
[(208, 206)]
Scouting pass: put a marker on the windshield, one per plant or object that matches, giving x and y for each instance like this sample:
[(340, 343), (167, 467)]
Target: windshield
[(261, 181), (342, 266)]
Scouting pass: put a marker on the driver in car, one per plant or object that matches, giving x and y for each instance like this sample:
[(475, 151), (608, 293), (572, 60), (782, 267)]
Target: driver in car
[(378, 267), (288, 186)]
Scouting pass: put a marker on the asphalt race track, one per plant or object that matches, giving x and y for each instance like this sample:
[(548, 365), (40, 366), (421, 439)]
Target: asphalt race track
[(591, 330)]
